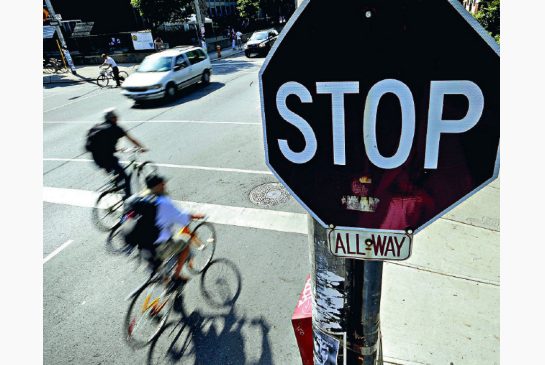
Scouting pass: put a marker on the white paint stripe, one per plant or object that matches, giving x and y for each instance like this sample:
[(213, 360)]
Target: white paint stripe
[(189, 167), (220, 214), (59, 249), (73, 102), (152, 121)]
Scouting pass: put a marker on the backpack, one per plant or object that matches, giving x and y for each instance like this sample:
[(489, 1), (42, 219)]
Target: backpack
[(97, 137), (139, 228)]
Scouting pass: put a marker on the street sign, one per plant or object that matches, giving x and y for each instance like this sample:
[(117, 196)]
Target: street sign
[(389, 124), (370, 245)]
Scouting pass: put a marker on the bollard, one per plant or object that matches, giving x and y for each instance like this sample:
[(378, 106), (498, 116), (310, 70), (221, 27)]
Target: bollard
[(218, 50)]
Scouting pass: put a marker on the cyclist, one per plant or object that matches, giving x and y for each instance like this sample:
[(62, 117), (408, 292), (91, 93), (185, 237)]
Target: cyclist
[(167, 216), (101, 142), (109, 62)]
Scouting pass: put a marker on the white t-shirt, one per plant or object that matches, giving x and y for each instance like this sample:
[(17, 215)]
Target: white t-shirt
[(167, 217), (110, 61), (238, 35)]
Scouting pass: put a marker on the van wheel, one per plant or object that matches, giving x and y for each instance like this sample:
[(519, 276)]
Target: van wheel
[(170, 91), (205, 77)]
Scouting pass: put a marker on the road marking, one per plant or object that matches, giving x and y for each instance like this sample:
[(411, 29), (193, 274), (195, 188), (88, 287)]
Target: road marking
[(59, 249), (72, 102), (221, 214), (152, 121), (189, 167)]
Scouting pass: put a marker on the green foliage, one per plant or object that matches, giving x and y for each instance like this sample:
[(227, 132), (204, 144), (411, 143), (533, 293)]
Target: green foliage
[(248, 8), (158, 12), (489, 17)]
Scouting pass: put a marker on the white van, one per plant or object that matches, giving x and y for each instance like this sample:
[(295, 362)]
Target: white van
[(163, 73)]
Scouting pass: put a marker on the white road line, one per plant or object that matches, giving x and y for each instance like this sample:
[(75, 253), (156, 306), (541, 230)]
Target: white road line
[(221, 214), (188, 167), (151, 121), (59, 249), (72, 102)]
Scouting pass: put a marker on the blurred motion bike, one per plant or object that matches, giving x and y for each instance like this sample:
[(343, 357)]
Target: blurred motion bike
[(108, 207)]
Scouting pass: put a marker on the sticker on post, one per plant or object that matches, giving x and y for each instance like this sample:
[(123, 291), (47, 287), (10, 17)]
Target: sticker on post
[(326, 348), (365, 245)]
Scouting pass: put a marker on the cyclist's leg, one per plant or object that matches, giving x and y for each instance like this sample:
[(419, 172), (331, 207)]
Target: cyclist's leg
[(121, 176)]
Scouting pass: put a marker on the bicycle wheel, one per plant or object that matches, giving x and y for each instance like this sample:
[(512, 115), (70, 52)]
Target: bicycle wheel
[(123, 76), (107, 211), (102, 81), (115, 243), (143, 170), (204, 235), (148, 313)]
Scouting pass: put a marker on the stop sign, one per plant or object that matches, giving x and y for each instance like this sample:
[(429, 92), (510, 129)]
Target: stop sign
[(384, 116)]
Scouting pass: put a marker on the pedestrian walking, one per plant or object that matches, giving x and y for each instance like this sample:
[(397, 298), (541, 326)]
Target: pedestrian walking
[(233, 39), (204, 46), (239, 39), (109, 62)]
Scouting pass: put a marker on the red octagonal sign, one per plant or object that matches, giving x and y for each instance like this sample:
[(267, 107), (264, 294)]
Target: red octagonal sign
[(385, 116)]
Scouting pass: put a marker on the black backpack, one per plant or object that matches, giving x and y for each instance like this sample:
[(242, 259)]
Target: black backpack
[(97, 137), (139, 228)]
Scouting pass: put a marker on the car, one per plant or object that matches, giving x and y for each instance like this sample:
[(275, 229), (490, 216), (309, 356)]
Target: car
[(260, 43), (162, 74)]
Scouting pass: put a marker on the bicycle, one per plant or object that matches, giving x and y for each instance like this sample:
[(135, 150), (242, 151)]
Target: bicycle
[(107, 74), (152, 302), (107, 210), (53, 65)]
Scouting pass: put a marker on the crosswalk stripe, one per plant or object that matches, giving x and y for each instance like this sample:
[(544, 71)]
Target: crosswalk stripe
[(221, 214)]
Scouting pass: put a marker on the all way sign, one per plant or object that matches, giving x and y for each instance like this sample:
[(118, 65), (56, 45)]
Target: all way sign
[(370, 245)]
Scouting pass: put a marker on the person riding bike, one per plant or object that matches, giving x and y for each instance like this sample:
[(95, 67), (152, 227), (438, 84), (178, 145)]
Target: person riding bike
[(101, 142), (167, 216)]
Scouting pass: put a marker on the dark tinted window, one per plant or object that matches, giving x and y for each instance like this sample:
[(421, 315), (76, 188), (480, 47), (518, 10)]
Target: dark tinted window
[(180, 60), (195, 56)]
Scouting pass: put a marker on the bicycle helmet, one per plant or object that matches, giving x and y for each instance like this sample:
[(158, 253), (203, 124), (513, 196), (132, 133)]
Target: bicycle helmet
[(109, 114), (153, 180)]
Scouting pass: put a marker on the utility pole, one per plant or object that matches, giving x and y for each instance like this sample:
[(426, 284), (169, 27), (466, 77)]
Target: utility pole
[(64, 47), (346, 298), (198, 18)]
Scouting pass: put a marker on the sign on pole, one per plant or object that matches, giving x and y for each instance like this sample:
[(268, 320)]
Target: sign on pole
[(393, 123)]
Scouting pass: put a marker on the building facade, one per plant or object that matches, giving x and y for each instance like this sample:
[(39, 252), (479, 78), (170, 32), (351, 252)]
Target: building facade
[(218, 9)]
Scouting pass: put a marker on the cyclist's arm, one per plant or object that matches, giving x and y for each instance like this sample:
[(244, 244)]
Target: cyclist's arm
[(135, 142)]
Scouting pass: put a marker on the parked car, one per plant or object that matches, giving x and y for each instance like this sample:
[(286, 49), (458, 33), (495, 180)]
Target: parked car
[(162, 74), (261, 42)]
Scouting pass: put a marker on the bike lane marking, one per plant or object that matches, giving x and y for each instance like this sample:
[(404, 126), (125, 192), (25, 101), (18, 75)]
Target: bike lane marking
[(221, 214), (188, 167), (57, 250)]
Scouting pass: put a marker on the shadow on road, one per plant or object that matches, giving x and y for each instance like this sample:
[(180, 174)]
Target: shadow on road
[(193, 92), (230, 66), (213, 333)]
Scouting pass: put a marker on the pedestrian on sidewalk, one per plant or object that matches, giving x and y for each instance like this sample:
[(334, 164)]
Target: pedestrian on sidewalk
[(204, 46), (109, 62), (158, 43), (239, 39), (233, 39)]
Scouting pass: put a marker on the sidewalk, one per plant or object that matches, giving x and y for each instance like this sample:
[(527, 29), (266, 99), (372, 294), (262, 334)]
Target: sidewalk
[(89, 73)]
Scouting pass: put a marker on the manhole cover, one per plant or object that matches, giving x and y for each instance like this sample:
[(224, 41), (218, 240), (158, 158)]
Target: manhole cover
[(268, 195)]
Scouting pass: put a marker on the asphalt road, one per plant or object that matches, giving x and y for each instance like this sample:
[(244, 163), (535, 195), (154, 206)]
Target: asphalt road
[(209, 143)]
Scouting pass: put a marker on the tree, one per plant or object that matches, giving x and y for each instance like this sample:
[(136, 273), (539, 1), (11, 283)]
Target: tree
[(158, 12), (248, 8), (489, 17)]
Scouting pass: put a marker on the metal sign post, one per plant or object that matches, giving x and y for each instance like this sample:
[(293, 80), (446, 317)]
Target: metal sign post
[(65, 54)]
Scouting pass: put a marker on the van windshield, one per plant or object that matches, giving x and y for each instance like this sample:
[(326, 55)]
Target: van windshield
[(155, 64)]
